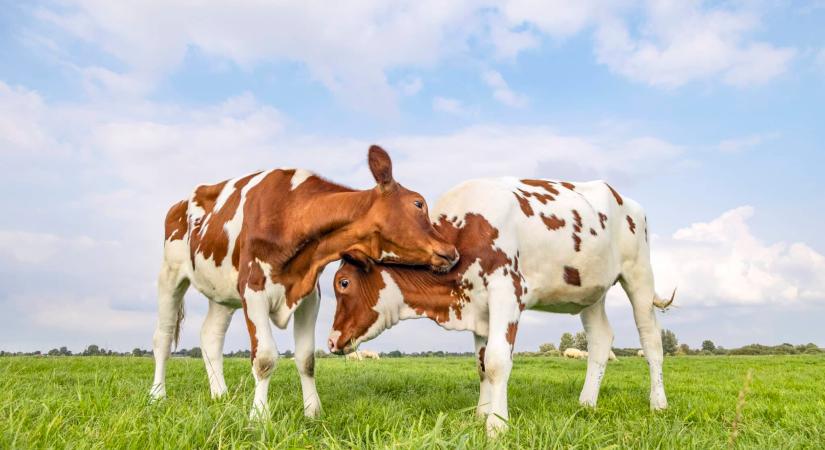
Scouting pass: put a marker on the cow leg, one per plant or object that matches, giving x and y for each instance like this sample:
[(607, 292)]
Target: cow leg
[(638, 284), (171, 288), (213, 333), (599, 341), (304, 332), (483, 407), (264, 350), (498, 355)]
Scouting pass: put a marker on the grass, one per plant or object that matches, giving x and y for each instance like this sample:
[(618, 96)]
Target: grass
[(101, 402)]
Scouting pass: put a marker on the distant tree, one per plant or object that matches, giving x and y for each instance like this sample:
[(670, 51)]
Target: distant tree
[(194, 352), (54, 352), (669, 342), (566, 342), (683, 349), (547, 347), (91, 350), (288, 354), (580, 341), (137, 352), (65, 351), (395, 354), (708, 346), (320, 353)]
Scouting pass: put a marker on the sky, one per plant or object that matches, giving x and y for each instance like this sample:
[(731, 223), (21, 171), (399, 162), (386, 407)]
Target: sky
[(708, 113)]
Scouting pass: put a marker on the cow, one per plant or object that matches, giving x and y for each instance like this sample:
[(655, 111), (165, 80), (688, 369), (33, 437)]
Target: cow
[(259, 242), (575, 353), (368, 354), (360, 355), (525, 244)]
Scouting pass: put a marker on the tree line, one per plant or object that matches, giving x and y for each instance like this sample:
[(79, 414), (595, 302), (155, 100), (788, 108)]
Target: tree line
[(670, 346)]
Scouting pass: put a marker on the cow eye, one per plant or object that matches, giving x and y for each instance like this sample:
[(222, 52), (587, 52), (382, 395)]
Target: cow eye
[(418, 204), (343, 282)]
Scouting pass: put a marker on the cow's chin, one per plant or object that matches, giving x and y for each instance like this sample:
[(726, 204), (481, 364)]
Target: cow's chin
[(439, 264)]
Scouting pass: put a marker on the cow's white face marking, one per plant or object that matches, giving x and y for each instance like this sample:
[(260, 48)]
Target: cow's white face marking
[(390, 308)]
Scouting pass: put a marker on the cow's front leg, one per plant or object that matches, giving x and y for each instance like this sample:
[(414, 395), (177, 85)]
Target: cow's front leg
[(498, 355), (483, 407), (264, 352), (599, 341), (304, 332)]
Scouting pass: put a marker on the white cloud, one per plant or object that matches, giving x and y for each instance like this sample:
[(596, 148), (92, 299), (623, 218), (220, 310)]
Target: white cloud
[(681, 42), (410, 86), (740, 144), (502, 91), (349, 49), (723, 262), (450, 106)]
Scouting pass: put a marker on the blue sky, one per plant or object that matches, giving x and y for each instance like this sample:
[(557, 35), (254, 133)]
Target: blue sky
[(709, 113)]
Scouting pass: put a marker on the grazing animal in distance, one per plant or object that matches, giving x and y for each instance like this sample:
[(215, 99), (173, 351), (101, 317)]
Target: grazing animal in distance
[(367, 354), (640, 353), (525, 244), (259, 242), (360, 355), (575, 353), (354, 356)]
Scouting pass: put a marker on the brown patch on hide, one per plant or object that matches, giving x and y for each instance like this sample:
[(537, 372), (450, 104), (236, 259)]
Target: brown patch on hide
[(571, 276)]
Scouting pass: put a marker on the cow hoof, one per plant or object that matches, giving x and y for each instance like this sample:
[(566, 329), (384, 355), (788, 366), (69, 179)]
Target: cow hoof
[(217, 395), (312, 411), (259, 413), (658, 404), (157, 393), (495, 426), (587, 402)]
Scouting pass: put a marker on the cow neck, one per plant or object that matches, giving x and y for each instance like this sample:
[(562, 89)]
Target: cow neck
[(324, 234), (427, 293)]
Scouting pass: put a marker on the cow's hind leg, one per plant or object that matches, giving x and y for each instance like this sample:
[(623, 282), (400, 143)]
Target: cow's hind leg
[(498, 355), (304, 333), (599, 341), (213, 333), (172, 286), (483, 407), (638, 284)]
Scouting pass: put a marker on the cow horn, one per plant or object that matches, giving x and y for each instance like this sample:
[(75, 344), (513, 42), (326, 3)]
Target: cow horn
[(664, 305)]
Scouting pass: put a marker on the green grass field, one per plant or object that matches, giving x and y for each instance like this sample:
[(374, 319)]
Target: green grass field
[(100, 402)]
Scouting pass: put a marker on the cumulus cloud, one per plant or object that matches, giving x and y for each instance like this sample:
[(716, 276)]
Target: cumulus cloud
[(448, 105), (739, 144), (350, 49), (723, 262), (681, 42), (502, 91)]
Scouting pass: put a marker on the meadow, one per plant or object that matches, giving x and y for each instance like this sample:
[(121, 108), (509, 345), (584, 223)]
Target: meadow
[(101, 402)]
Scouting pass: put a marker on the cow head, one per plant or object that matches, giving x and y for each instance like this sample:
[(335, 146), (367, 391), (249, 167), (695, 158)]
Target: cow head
[(397, 226), (366, 305)]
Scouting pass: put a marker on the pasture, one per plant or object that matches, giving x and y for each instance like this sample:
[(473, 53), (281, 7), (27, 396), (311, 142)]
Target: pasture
[(102, 402)]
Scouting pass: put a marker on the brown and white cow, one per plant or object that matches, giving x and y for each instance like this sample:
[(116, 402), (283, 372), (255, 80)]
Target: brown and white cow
[(260, 241), (525, 244)]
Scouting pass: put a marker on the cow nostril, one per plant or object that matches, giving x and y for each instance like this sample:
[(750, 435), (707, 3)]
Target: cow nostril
[(330, 344)]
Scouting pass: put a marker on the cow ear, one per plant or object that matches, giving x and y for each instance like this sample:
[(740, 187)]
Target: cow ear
[(381, 167), (357, 258)]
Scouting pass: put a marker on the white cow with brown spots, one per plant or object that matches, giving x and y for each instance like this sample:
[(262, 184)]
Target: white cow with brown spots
[(525, 244)]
